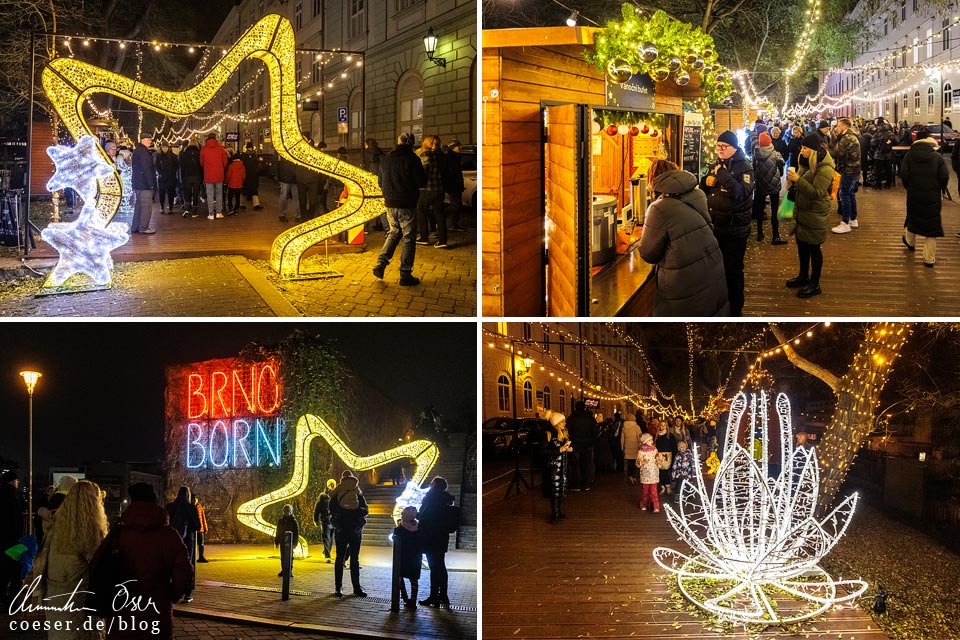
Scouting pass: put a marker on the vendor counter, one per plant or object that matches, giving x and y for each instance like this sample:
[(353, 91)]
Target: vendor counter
[(625, 287)]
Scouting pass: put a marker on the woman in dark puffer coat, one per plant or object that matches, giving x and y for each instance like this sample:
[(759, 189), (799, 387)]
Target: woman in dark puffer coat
[(924, 174), (678, 238)]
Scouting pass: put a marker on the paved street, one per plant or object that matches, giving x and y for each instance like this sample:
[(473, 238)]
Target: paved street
[(238, 596), (867, 272), (236, 286)]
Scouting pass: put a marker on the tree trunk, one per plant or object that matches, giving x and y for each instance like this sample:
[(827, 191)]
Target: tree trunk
[(857, 393)]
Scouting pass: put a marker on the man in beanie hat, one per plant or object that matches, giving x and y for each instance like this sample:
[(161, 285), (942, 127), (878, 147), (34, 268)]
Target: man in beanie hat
[(767, 169), (847, 158), (401, 177), (729, 188), (823, 130)]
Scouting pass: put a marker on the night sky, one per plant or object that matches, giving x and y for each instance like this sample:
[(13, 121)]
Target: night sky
[(101, 394)]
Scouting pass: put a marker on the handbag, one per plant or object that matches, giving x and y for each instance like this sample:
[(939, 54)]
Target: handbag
[(106, 572), (664, 460), (835, 186), (785, 211)]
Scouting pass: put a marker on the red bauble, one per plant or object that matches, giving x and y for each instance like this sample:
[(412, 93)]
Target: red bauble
[(634, 131), (611, 129), (654, 134), (646, 129)]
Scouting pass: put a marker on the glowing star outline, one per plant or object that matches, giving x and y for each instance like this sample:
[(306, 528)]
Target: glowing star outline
[(67, 82), (84, 246), (757, 536), (424, 453)]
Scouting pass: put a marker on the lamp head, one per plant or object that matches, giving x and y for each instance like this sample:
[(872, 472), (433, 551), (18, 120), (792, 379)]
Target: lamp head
[(430, 42), (30, 378)]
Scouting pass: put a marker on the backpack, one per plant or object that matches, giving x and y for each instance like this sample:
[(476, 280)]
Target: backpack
[(105, 574)]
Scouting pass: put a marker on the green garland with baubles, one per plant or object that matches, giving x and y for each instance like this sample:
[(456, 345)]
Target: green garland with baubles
[(661, 47)]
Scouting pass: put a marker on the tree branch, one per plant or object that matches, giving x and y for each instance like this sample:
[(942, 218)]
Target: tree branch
[(818, 372)]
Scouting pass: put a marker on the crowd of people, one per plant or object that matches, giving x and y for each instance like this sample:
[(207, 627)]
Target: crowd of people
[(696, 229), (154, 550)]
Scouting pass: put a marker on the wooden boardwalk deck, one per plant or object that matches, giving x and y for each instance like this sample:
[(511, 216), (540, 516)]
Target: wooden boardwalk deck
[(593, 575), (867, 272)]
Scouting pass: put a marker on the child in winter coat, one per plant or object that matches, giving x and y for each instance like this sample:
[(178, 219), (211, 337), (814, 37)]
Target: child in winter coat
[(236, 174), (684, 465), (347, 494), (407, 534), (649, 473)]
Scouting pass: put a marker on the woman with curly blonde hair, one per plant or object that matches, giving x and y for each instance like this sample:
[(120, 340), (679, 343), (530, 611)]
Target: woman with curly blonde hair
[(80, 527)]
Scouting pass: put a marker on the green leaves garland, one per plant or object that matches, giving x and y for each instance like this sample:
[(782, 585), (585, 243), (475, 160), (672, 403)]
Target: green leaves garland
[(625, 46)]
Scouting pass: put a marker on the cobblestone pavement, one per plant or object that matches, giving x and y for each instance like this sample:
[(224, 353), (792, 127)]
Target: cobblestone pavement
[(197, 628), (232, 286)]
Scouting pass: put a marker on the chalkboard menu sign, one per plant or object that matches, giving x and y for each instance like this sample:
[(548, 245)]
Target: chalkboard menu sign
[(692, 129)]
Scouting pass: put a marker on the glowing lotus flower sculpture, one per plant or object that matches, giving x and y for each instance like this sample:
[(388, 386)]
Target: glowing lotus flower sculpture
[(755, 539)]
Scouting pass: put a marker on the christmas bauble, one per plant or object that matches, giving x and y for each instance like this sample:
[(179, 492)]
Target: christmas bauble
[(720, 76), (690, 56), (674, 64), (707, 54), (634, 131), (611, 129), (697, 64), (619, 71), (648, 52), (707, 68), (623, 129), (682, 78), (660, 74), (645, 130), (654, 134)]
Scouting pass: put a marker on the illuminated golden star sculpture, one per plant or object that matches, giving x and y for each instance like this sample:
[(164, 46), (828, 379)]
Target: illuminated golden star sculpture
[(68, 82), (423, 452)]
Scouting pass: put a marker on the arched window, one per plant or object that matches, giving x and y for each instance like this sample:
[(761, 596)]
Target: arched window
[(527, 396), (947, 98), (563, 401), (930, 100), (503, 393), (546, 397), (410, 105), (906, 104), (356, 119), (916, 102)]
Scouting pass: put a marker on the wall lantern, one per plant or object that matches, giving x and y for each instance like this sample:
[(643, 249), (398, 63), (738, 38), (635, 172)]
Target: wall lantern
[(430, 45)]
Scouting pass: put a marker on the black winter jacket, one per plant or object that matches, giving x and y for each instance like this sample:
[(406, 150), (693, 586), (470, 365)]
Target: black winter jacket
[(167, 168), (434, 537), (731, 197), (190, 169), (144, 172), (251, 167), (401, 178), (924, 174), (767, 169), (287, 523), (286, 171), (678, 238)]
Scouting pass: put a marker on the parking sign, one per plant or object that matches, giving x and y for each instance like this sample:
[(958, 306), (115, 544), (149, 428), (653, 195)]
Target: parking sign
[(342, 114)]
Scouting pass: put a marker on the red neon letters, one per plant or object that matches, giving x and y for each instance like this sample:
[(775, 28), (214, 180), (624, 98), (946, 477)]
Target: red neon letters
[(239, 391)]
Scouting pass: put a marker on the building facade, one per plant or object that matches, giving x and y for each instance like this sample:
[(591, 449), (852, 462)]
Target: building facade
[(356, 58), (910, 70), (555, 364)]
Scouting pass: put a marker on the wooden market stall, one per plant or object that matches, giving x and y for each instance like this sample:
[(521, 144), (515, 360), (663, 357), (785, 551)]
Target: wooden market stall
[(556, 177)]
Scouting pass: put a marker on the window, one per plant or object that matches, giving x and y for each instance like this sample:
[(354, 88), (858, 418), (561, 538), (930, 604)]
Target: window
[(930, 93), (503, 393), (914, 6), (563, 401), (947, 98), (903, 10), (527, 332), (903, 58), (356, 119), (546, 339), (916, 103), (527, 396), (546, 397), (317, 5), (299, 69), (886, 27), (260, 93), (916, 50), (410, 105), (298, 16), (906, 104), (945, 34), (929, 43), (562, 349), (401, 5), (358, 17)]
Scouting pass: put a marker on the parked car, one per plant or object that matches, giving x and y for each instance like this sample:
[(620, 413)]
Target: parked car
[(949, 137), (503, 436), (468, 164)]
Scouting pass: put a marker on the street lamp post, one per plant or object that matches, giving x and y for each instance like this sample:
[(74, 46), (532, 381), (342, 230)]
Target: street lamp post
[(30, 378)]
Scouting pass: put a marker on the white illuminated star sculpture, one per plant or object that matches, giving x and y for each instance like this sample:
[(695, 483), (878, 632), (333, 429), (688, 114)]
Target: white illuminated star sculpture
[(756, 541), (84, 245)]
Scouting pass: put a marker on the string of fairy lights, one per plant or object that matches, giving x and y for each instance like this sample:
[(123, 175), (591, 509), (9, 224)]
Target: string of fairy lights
[(311, 84)]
